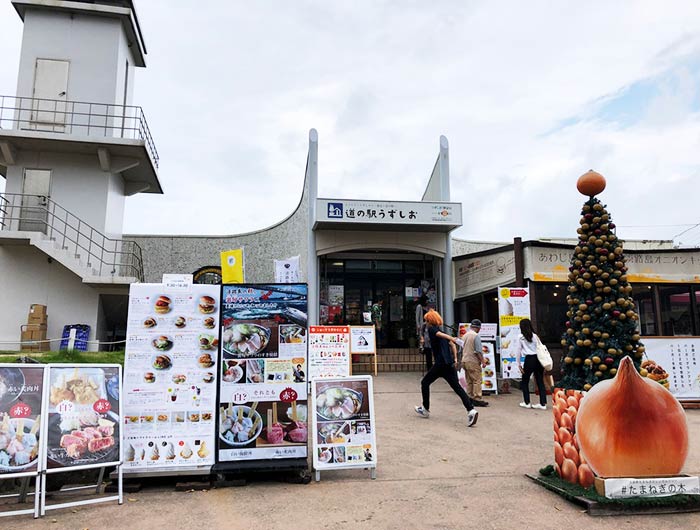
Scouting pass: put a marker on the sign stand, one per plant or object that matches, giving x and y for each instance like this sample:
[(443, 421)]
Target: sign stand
[(348, 441), (363, 341), (40, 384), (68, 468)]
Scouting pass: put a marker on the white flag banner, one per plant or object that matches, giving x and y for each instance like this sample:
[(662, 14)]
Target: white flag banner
[(287, 270)]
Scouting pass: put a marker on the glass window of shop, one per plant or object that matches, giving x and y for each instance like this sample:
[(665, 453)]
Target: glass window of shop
[(645, 305), (677, 310), (551, 311), (383, 292)]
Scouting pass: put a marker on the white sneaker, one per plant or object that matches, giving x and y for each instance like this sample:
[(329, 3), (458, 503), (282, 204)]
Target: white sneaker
[(541, 407), (423, 413), (472, 416), (526, 405)]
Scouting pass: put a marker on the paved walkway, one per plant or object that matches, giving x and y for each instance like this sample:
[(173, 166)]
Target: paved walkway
[(433, 474)]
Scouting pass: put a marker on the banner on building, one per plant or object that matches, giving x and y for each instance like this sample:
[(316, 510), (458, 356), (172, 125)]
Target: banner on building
[(287, 270), (232, 266)]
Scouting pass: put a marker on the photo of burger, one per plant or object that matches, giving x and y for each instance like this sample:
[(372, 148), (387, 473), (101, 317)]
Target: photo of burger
[(210, 322), (656, 373), (207, 304), (149, 377), (205, 360), (150, 322), (488, 384), (162, 304), (180, 322)]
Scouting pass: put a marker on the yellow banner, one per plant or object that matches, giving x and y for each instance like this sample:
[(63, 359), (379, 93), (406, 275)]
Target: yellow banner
[(232, 270), (510, 320)]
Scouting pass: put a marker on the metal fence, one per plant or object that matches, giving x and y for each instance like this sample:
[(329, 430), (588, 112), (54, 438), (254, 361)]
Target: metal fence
[(38, 213), (77, 118)]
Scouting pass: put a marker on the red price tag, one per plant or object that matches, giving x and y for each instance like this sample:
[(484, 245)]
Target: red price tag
[(20, 410), (102, 406), (288, 395)]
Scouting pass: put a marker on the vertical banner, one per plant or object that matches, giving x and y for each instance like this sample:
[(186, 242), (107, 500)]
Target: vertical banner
[(232, 266), (329, 351), (286, 270), (170, 378), (262, 393), (344, 430), (83, 421), (21, 395), (513, 306)]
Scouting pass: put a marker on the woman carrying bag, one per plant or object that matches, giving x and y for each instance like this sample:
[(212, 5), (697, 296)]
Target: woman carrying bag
[(527, 346)]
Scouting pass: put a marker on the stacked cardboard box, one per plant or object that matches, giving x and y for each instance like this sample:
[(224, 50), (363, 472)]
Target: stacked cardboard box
[(35, 329)]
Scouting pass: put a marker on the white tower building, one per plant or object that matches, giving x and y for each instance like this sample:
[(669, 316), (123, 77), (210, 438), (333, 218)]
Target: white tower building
[(72, 148)]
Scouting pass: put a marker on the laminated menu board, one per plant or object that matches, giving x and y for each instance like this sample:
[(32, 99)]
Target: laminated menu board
[(329, 351), (344, 430), (488, 372), (673, 361), (21, 394), (170, 378), (82, 421), (262, 391)]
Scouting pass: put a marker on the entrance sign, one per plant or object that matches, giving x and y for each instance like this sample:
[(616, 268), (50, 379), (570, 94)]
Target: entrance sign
[(21, 396), (263, 390), (329, 351), (170, 379), (343, 425), (82, 424), (513, 306)]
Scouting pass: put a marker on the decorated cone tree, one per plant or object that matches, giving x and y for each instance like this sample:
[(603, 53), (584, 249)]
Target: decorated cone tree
[(602, 323)]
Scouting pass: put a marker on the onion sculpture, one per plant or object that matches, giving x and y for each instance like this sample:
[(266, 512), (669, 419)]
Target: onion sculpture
[(631, 426)]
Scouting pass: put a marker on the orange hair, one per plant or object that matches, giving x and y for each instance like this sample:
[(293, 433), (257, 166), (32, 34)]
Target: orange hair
[(433, 318)]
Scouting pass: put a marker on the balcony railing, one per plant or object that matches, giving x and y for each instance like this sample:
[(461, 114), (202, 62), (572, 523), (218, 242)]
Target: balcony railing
[(38, 213), (78, 118)]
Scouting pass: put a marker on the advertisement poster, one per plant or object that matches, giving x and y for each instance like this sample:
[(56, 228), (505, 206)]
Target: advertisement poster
[(673, 361), (329, 351), (262, 396), (170, 378), (488, 372), (21, 392), (344, 430), (83, 417), (513, 306), (362, 339)]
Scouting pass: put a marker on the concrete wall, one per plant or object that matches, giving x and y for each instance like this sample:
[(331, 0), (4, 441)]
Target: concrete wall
[(78, 185), (26, 277), (90, 43), (186, 254)]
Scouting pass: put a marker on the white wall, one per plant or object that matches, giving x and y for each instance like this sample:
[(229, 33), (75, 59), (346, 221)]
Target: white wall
[(26, 277), (90, 43)]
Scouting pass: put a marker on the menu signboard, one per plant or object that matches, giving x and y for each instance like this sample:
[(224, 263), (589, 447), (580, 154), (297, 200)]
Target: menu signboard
[(673, 361), (329, 351), (21, 393), (170, 378), (262, 392), (487, 334), (343, 423), (513, 306), (82, 422)]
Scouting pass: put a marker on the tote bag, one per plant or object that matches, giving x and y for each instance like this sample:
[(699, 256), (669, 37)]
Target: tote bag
[(543, 355)]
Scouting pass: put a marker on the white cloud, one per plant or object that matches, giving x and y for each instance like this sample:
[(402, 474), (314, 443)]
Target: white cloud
[(233, 87)]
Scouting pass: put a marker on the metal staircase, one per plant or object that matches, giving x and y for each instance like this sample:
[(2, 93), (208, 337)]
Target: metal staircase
[(62, 236)]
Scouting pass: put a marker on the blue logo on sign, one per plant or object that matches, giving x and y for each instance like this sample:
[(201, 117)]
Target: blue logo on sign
[(335, 210)]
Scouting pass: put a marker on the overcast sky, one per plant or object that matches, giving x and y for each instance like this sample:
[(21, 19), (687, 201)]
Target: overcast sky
[(529, 94)]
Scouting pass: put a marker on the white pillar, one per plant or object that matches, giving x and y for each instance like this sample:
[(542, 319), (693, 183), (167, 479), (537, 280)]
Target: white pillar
[(444, 168), (312, 259)]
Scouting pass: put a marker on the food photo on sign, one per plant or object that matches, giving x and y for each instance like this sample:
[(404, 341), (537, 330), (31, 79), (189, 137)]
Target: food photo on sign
[(20, 420), (83, 421)]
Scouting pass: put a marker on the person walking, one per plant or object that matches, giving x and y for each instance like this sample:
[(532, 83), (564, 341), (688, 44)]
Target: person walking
[(445, 352), (472, 362), (422, 332), (526, 346)]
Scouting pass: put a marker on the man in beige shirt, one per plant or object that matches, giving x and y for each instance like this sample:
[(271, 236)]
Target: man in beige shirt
[(472, 362)]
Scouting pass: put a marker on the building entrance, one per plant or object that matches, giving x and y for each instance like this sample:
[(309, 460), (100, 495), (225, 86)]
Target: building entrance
[(379, 289)]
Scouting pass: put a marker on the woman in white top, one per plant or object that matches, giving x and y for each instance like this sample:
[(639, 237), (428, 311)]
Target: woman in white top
[(526, 346)]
